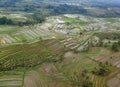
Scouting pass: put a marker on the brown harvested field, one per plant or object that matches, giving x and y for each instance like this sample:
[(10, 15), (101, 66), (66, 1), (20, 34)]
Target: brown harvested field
[(71, 54), (50, 42), (104, 55), (33, 78), (114, 82), (54, 46), (28, 82), (45, 75)]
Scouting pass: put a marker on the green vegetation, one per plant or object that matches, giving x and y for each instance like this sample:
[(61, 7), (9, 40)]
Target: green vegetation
[(115, 47), (112, 20), (36, 51), (26, 58), (95, 10), (103, 69), (23, 19), (74, 21), (46, 59), (4, 21), (7, 29), (108, 35), (38, 17)]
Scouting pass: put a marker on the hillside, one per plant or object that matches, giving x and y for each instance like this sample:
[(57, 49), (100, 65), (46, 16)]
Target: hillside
[(97, 2), (59, 43), (69, 50)]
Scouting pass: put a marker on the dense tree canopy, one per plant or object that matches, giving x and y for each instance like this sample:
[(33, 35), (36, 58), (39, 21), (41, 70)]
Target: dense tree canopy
[(5, 20)]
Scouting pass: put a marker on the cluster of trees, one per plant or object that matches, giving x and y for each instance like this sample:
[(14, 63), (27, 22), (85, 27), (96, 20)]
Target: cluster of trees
[(35, 18), (69, 9), (115, 46), (82, 79), (39, 17), (103, 69), (5, 20), (63, 9), (111, 36), (108, 35)]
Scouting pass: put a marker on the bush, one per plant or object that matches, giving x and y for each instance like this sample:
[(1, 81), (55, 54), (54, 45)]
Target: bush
[(5, 20), (115, 47), (102, 70)]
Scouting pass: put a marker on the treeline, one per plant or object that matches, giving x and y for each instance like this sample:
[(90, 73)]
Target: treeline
[(116, 46), (56, 9), (8, 3), (61, 9), (34, 19), (5, 20), (65, 9), (69, 9), (108, 35)]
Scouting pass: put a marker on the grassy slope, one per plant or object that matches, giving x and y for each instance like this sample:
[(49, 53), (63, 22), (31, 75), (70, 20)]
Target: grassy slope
[(49, 72)]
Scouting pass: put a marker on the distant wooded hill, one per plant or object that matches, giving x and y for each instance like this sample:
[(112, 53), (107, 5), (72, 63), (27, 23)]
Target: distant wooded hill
[(97, 8), (100, 3)]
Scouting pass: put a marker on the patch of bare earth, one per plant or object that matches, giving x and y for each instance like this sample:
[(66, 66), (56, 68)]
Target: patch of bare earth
[(45, 75), (114, 82), (71, 54), (28, 82), (114, 79)]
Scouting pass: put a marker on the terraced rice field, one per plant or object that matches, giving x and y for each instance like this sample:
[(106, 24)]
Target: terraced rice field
[(105, 55), (46, 76), (51, 71), (16, 34), (12, 78), (38, 53), (21, 54), (44, 57), (44, 67)]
